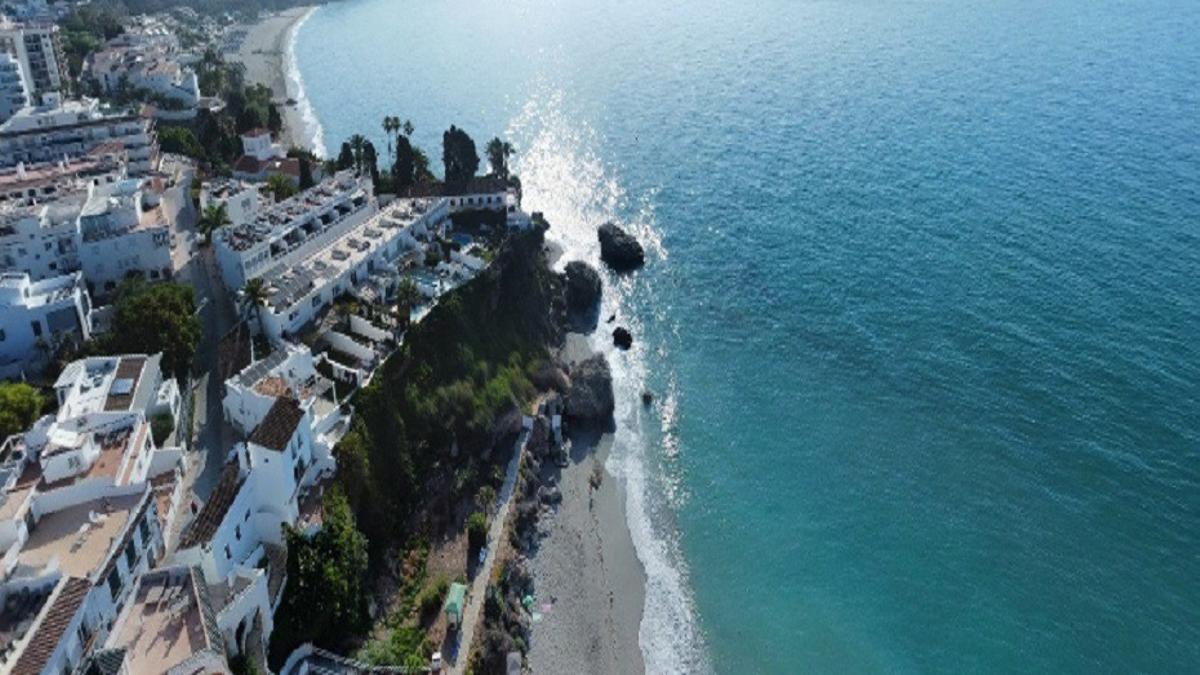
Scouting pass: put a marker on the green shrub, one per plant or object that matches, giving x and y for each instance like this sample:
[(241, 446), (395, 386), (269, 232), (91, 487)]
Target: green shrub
[(477, 529), (161, 426)]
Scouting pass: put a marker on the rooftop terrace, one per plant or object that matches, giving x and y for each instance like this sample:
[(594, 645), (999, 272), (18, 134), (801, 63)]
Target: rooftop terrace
[(80, 537)]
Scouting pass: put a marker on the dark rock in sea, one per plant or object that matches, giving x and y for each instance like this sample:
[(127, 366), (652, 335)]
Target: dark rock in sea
[(591, 397), (619, 250), (622, 337), (647, 398), (583, 287)]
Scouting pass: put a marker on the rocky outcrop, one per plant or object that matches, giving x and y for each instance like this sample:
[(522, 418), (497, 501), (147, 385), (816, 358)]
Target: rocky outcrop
[(622, 338), (591, 395), (583, 287), (619, 250)]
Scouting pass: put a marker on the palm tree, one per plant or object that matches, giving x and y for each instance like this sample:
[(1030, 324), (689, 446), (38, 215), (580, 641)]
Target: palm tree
[(407, 128), (391, 125), (407, 297), (213, 218), (254, 296), (280, 186), (498, 152), (357, 142)]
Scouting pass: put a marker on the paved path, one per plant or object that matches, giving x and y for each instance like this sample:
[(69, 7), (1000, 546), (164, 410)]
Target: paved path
[(478, 589)]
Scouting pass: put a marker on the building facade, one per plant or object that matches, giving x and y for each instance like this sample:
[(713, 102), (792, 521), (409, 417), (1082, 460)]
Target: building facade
[(57, 129), (38, 317)]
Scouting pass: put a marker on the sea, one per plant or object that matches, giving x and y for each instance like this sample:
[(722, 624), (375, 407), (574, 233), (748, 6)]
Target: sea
[(921, 311)]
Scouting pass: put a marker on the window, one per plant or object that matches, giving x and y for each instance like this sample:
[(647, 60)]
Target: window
[(37, 328), (316, 301), (3, 336), (237, 532), (114, 583), (144, 531), (130, 555), (247, 516), (228, 553)]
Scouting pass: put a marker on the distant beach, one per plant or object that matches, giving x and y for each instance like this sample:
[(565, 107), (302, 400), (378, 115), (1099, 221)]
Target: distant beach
[(266, 53)]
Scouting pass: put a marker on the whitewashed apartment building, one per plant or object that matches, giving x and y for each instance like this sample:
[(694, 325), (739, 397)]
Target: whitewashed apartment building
[(38, 317), (279, 234), (71, 128)]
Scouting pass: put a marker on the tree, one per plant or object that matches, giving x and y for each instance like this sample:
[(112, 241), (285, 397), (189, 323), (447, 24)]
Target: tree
[(180, 141), (254, 296), (404, 168), (306, 174), (369, 163), (391, 125), (408, 296), (408, 128), (213, 218), (280, 186), (152, 318), (357, 143), (20, 405), (324, 600), (459, 157), (345, 158), (498, 152)]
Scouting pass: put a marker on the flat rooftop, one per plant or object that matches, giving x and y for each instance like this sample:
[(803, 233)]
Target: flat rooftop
[(277, 220), (79, 537), (165, 622), (348, 251)]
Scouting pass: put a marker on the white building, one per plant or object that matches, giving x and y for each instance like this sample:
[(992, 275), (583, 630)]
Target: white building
[(241, 200), (289, 371), (145, 58), (124, 230), (44, 181), (265, 488), (302, 289), (485, 194), (58, 129), (290, 230), (37, 48), (257, 143), (36, 318), (14, 91), (92, 549), (173, 600)]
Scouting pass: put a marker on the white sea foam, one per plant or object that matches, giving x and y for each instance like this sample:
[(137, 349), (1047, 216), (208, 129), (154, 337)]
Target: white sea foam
[(563, 177), (313, 132)]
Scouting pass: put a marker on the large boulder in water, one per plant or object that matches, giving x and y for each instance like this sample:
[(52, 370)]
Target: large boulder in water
[(591, 397), (619, 250), (583, 287), (622, 338)]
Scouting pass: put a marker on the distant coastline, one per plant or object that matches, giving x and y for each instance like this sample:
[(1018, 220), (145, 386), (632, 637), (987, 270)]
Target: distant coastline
[(268, 54)]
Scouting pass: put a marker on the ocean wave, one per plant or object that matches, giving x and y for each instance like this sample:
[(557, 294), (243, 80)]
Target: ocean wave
[(314, 133), (563, 177)]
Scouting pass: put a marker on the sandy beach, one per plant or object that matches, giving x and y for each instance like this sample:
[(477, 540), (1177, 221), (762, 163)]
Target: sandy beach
[(264, 53), (590, 583)]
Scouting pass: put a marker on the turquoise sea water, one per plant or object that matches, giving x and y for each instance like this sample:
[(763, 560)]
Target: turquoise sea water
[(922, 313)]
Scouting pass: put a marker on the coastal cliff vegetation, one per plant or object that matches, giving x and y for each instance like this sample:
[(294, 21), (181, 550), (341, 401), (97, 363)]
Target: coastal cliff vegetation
[(423, 441)]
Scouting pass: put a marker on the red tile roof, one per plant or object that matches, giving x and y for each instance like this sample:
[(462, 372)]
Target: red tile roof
[(50, 631), (210, 517), (279, 425)]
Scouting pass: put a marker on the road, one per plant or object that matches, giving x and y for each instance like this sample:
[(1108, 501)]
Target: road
[(478, 590)]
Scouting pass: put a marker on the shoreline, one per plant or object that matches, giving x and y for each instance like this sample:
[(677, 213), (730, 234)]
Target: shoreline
[(266, 52), (590, 583)]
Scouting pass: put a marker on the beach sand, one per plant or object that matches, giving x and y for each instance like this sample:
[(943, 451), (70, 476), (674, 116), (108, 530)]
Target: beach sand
[(264, 53), (590, 583)]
